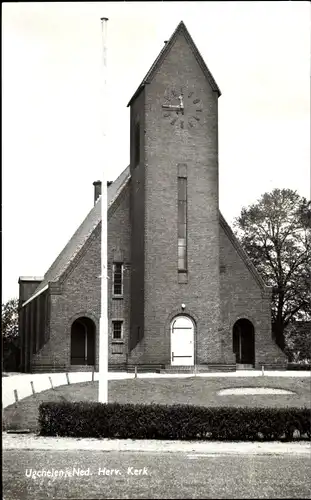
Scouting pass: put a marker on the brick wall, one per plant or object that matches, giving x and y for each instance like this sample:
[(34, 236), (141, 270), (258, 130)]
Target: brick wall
[(77, 294), (119, 250), (241, 296)]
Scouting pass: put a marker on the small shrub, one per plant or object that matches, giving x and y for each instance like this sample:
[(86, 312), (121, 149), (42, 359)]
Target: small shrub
[(184, 422)]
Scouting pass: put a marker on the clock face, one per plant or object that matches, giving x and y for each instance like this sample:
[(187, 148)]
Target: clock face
[(182, 108)]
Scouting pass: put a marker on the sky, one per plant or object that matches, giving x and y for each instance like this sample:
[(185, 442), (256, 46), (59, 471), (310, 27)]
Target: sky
[(53, 111)]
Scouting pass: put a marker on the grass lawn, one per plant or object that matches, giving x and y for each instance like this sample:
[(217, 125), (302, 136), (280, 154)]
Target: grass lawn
[(194, 390)]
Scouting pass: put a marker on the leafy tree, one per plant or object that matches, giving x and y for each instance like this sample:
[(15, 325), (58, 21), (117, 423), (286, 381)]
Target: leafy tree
[(276, 234), (10, 336), (9, 321), (298, 342)]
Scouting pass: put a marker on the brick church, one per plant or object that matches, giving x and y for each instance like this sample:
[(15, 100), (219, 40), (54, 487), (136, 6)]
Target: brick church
[(182, 291)]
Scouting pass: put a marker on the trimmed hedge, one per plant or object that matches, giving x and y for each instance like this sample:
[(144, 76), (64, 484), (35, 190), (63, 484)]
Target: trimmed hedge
[(186, 422), (299, 366)]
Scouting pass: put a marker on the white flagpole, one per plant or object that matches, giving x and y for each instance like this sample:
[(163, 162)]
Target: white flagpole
[(103, 325)]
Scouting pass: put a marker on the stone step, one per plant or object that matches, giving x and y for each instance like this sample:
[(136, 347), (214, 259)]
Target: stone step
[(144, 368), (244, 366), (198, 368), (177, 369), (48, 369), (83, 368)]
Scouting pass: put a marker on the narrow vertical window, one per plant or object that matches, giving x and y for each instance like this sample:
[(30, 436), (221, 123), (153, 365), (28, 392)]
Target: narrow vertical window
[(182, 224), (117, 330), (117, 279), (137, 144)]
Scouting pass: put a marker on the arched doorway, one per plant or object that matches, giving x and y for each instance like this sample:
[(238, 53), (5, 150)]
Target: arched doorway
[(182, 341), (83, 342), (244, 341)]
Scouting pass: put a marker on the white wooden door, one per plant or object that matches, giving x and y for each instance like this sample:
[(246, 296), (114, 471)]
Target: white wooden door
[(182, 342)]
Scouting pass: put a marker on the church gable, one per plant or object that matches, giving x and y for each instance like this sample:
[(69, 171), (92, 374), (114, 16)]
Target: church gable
[(118, 228), (85, 268), (235, 264), (180, 32), (75, 246), (179, 70), (85, 265)]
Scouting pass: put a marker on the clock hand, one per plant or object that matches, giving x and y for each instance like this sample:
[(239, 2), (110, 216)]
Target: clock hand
[(181, 103), (170, 106)]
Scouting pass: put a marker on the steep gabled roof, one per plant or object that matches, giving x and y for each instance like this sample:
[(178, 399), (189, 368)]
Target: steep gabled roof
[(181, 28), (82, 234)]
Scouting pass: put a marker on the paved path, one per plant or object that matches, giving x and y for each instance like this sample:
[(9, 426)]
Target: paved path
[(34, 442), (41, 382)]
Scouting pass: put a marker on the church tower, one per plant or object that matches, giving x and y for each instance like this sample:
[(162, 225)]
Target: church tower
[(174, 210)]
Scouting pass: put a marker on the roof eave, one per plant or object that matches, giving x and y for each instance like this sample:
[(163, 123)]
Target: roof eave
[(136, 94), (35, 295), (30, 278)]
